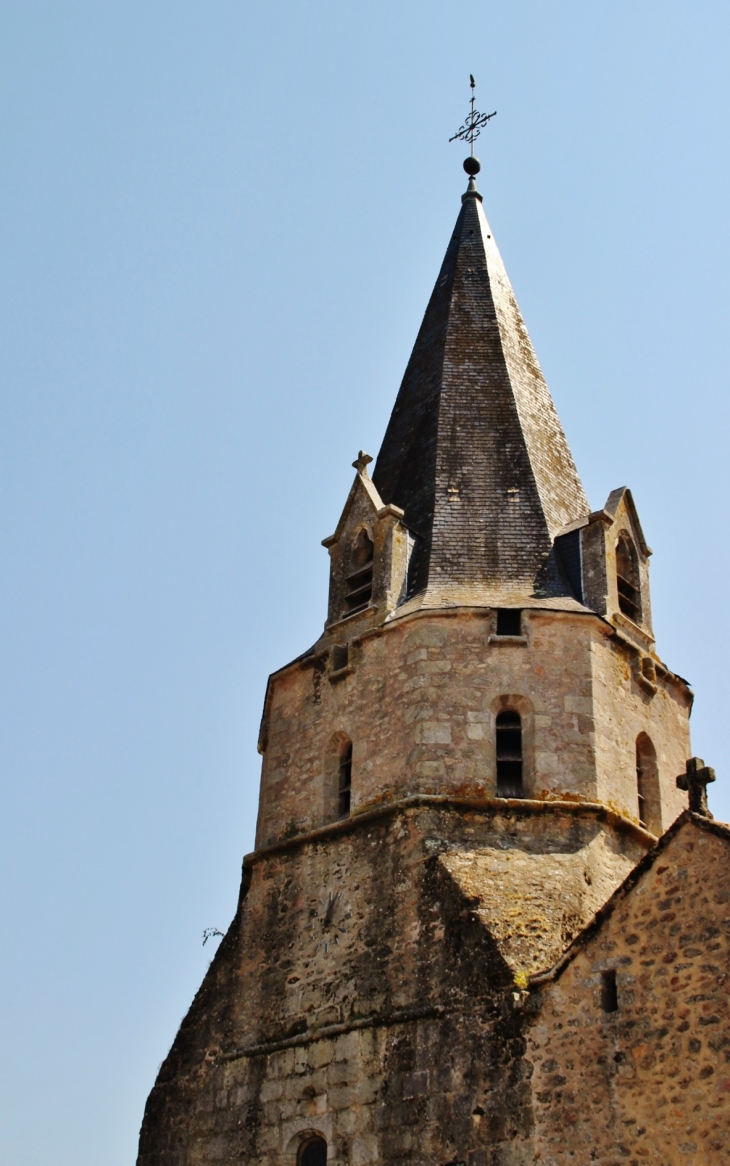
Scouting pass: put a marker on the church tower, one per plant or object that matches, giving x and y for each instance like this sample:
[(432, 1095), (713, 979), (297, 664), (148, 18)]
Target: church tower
[(478, 750)]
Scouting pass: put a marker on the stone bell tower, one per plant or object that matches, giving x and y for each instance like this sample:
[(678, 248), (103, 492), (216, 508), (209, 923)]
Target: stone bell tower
[(475, 753)]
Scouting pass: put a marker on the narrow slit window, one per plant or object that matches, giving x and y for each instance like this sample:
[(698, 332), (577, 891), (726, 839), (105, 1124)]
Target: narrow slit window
[(648, 795), (609, 991), (509, 755), (641, 791), (313, 1153), (509, 621), (344, 781), (359, 582), (627, 579)]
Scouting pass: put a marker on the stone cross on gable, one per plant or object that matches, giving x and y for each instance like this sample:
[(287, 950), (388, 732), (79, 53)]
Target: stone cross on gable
[(362, 462), (696, 779)]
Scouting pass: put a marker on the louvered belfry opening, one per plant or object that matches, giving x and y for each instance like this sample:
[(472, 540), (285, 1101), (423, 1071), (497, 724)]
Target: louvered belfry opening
[(509, 755), (359, 582), (344, 780), (627, 579)]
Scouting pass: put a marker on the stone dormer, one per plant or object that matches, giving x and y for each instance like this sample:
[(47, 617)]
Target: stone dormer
[(605, 558), (369, 556)]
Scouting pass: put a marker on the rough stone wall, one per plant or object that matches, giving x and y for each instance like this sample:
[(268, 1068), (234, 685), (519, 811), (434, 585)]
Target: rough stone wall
[(534, 902), (419, 701), (361, 993), (649, 1082)]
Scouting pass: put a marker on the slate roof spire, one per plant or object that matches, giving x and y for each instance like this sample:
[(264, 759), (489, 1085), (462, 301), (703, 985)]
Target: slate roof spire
[(474, 452)]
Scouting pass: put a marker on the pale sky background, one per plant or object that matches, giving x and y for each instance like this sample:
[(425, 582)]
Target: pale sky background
[(221, 223)]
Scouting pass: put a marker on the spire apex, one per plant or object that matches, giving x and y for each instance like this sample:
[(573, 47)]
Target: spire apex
[(471, 190)]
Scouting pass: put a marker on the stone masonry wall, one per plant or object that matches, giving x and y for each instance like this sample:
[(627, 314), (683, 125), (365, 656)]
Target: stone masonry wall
[(622, 709), (649, 1082), (365, 991), (419, 700)]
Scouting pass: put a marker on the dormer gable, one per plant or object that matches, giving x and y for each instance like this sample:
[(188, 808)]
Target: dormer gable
[(369, 555), (606, 559)]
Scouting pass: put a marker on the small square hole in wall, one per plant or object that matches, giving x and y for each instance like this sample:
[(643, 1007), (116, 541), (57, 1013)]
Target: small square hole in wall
[(509, 621), (340, 656), (609, 991)]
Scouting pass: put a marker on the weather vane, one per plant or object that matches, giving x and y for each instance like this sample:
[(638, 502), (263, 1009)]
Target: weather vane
[(474, 123)]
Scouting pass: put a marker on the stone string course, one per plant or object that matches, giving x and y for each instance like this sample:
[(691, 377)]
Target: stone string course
[(420, 705)]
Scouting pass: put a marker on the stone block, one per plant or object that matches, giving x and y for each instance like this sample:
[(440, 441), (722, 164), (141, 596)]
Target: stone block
[(433, 733)]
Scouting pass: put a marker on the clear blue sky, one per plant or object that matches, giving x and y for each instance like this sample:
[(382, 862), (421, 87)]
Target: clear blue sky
[(220, 226)]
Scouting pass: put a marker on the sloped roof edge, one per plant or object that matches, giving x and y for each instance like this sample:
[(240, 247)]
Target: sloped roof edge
[(362, 481), (612, 504), (686, 818)]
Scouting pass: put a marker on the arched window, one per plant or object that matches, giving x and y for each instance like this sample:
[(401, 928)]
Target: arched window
[(627, 578), (313, 1152), (509, 755), (337, 774), (344, 780), (359, 582), (647, 785)]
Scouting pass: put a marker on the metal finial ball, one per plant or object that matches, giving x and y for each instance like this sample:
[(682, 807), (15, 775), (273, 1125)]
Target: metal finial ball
[(472, 166)]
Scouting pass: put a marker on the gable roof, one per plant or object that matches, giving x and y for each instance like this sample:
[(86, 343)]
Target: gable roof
[(362, 485), (614, 500), (606, 911)]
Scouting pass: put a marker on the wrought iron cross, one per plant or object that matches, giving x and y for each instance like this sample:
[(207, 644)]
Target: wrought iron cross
[(696, 780), (474, 123)]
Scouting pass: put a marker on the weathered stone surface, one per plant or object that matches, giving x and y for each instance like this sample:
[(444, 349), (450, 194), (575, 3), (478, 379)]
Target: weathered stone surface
[(650, 1081), (535, 903), (397, 1024), (420, 705), (363, 956)]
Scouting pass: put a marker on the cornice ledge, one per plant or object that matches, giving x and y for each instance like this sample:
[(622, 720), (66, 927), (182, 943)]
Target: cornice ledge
[(458, 802), (327, 1031)]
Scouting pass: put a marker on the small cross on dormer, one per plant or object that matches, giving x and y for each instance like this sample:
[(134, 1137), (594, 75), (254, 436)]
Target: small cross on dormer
[(362, 462), (696, 779)]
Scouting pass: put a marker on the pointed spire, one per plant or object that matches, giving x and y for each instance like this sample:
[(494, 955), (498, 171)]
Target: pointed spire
[(474, 452)]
